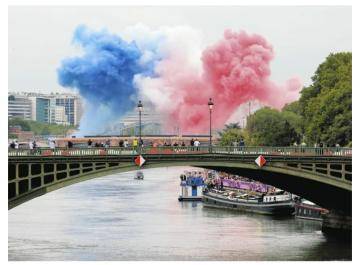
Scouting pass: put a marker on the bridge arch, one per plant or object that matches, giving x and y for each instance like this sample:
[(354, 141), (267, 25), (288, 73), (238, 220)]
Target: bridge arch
[(33, 177)]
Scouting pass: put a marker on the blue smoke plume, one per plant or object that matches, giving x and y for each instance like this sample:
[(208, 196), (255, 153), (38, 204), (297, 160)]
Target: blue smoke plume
[(104, 75)]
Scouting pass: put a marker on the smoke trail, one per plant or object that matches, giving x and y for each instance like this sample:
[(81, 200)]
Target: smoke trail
[(104, 75), (234, 71), (170, 71)]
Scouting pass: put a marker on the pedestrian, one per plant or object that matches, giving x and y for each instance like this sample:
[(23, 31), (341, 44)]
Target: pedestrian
[(121, 143), (321, 145), (303, 146), (183, 144), (135, 143), (89, 143), (12, 144), (126, 143), (16, 144), (242, 143), (31, 146), (107, 143), (197, 144), (70, 144)]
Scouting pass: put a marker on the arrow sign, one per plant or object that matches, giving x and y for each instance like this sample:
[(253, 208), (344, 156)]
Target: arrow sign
[(139, 160), (260, 161)]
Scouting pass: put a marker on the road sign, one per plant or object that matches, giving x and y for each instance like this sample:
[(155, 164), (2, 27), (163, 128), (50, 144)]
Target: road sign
[(260, 161), (139, 160)]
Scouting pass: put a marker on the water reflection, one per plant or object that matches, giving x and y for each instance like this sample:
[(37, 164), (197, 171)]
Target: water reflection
[(119, 218)]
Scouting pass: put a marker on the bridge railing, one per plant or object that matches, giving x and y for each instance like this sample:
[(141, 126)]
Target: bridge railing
[(173, 150)]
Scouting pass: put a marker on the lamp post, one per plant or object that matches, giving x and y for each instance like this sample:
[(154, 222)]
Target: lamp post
[(140, 108), (211, 105)]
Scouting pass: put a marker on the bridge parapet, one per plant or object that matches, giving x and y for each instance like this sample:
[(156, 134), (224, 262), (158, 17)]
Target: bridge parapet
[(164, 150)]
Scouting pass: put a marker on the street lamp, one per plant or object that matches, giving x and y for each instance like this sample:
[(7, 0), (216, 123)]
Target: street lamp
[(211, 105), (140, 108)]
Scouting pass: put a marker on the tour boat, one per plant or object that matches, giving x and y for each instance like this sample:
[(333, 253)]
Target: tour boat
[(139, 175), (271, 204), (308, 210), (191, 187)]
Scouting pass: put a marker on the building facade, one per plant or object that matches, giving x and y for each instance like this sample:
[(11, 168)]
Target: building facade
[(19, 106), (56, 108)]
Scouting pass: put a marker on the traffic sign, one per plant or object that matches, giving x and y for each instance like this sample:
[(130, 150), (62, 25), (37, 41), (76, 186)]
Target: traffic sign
[(260, 161), (139, 160)]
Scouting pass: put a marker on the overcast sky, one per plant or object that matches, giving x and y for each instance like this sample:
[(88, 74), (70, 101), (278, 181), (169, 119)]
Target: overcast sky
[(40, 37)]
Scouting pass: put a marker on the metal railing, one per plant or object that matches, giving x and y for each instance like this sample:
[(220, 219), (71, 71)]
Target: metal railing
[(173, 150)]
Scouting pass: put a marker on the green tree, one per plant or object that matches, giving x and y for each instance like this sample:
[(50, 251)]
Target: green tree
[(326, 104), (234, 125), (270, 127), (39, 128), (231, 135)]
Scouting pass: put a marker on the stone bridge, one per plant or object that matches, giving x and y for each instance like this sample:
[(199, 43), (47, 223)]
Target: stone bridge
[(321, 175)]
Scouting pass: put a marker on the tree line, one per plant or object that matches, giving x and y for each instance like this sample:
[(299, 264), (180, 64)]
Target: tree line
[(38, 128), (323, 113)]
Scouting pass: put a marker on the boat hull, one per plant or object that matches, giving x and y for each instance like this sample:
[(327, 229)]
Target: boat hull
[(285, 208), (192, 198), (309, 212)]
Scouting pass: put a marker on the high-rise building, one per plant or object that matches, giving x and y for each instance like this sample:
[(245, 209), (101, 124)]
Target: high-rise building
[(47, 108), (19, 106), (42, 109), (72, 107)]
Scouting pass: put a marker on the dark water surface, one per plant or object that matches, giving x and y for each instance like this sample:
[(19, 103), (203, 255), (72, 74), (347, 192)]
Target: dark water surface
[(119, 218)]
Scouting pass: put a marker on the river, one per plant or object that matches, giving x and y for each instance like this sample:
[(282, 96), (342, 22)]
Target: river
[(119, 218)]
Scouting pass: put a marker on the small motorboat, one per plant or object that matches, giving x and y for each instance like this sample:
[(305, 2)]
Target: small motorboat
[(139, 175)]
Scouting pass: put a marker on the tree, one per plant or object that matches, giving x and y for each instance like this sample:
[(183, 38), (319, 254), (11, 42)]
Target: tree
[(39, 128), (326, 104), (270, 127), (234, 125), (229, 136)]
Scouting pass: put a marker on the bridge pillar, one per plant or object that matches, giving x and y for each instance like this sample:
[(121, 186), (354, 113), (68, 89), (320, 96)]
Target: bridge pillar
[(17, 179), (337, 224)]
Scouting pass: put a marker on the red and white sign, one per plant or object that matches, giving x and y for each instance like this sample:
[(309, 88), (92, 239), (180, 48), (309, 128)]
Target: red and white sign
[(260, 161), (139, 160)]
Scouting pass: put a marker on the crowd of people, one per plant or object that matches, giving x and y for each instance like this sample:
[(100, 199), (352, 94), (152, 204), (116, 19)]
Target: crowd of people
[(32, 144), (137, 143), (219, 180)]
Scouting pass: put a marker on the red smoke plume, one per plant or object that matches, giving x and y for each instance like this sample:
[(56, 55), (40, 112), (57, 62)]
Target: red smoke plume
[(236, 70)]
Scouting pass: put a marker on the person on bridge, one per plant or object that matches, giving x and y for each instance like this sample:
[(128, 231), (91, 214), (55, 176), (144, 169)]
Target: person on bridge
[(126, 143), (52, 144), (241, 143), (89, 143), (197, 144), (12, 144), (31, 147), (135, 143), (121, 143), (321, 145), (70, 144)]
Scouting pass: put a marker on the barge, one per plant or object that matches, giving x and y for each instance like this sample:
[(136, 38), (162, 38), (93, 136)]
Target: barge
[(308, 210), (272, 204)]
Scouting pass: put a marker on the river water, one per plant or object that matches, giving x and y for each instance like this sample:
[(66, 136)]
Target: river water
[(119, 218)]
